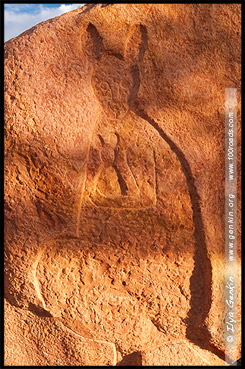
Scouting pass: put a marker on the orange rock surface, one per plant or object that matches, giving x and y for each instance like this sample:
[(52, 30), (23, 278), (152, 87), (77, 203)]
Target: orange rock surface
[(114, 185)]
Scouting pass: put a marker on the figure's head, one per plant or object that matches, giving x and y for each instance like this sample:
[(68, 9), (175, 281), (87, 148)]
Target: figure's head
[(112, 83), (115, 78)]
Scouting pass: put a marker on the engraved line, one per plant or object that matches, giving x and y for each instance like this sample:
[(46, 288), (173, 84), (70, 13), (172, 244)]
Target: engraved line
[(143, 44), (35, 279), (94, 340)]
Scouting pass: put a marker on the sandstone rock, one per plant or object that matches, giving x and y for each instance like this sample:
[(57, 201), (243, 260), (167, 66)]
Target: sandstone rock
[(114, 185)]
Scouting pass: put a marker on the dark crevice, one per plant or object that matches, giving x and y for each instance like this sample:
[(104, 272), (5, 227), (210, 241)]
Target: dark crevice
[(39, 311), (201, 279), (133, 359), (144, 43)]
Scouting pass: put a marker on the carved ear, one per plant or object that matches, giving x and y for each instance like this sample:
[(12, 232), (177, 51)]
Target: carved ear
[(96, 41), (136, 44)]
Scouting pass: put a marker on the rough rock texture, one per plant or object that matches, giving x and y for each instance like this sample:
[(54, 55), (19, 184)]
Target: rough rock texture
[(114, 185)]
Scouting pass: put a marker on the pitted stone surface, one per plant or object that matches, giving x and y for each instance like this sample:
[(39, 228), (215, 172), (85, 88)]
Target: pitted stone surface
[(114, 185)]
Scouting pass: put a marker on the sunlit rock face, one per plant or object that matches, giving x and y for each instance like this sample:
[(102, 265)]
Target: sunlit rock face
[(114, 185)]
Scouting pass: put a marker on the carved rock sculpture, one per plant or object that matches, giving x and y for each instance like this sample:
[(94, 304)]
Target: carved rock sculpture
[(114, 185)]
